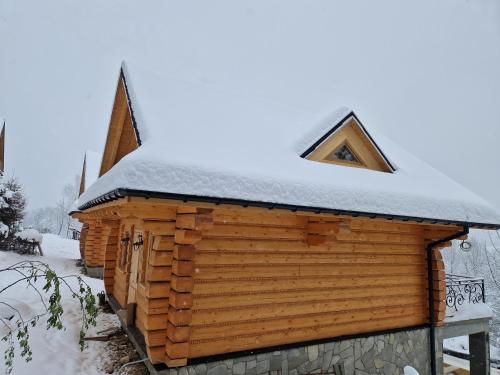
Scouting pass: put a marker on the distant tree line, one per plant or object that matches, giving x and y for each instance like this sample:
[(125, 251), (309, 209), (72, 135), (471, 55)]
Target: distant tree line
[(481, 260), (55, 219)]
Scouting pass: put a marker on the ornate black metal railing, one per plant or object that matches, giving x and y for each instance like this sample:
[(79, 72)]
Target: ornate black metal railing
[(462, 290)]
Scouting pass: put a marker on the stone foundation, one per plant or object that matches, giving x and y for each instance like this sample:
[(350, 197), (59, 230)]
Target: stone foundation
[(384, 354), (95, 272)]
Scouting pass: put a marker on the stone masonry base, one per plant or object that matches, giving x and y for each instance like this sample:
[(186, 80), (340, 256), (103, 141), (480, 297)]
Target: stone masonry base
[(384, 354), (95, 272)]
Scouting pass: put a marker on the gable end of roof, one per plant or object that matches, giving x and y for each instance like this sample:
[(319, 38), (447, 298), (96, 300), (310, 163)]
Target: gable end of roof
[(129, 101), (327, 135)]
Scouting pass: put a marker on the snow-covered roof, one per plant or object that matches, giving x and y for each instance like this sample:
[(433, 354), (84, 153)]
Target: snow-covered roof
[(201, 140), (92, 166)]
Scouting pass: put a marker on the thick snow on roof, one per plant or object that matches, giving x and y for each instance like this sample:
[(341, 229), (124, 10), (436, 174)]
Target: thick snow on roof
[(92, 167), (201, 140)]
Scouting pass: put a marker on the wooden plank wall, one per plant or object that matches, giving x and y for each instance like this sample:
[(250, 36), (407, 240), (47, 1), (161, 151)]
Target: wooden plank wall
[(121, 135), (155, 269), (95, 242), (258, 283), (110, 254), (256, 279), (88, 243), (83, 236), (190, 224)]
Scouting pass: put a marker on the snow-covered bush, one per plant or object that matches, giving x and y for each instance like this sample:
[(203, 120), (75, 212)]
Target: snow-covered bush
[(27, 241), (29, 235), (12, 204), (4, 230)]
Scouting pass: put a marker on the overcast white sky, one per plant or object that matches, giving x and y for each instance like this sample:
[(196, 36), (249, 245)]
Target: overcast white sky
[(425, 73)]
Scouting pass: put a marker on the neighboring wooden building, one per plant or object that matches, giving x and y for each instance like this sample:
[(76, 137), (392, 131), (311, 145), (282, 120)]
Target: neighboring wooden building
[(2, 147), (210, 251), (93, 260), (90, 169)]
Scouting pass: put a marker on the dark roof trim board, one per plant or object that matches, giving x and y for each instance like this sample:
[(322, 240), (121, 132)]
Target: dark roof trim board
[(337, 126), (121, 193), (130, 108)]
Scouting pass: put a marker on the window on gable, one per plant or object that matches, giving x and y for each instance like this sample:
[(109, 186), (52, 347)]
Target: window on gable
[(349, 145), (343, 153)]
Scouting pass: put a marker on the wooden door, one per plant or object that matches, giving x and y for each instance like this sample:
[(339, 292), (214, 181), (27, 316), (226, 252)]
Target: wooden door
[(121, 278), (136, 246)]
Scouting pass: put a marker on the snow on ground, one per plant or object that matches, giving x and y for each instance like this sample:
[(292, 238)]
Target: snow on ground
[(460, 344), (410, 371), (55, 352), (460, 363), (468, 311)]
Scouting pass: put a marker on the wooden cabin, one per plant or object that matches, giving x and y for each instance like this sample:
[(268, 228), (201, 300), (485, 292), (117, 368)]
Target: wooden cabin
[(2, 148), (93, 261), (224, 234)]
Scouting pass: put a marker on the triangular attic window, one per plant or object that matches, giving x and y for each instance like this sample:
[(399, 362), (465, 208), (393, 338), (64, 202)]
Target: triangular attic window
[(349, 144), (343, 153)]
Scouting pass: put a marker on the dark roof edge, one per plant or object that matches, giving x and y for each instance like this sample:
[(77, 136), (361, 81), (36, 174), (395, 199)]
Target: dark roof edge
[(316, 144), (121, 193), (130, 108)]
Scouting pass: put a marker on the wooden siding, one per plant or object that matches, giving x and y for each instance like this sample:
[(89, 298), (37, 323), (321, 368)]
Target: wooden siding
[(82, 176), (258, 283), (110, 255), (155, 270), (214, 281), (83, 236), (2, 148), (121, 137), (95, 242)]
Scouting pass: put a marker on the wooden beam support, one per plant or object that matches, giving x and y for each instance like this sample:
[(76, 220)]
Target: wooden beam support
[(182, 284), (188, 237), (322, 230), (110, 254), (194, 221), (190, 223), (184, 252)]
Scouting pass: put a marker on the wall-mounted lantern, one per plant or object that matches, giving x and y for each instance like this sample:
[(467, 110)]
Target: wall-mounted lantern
[(137, 245), (466, 246), (124, 242)]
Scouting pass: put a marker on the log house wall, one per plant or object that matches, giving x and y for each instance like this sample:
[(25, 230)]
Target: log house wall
[(83, 236), (155, 270), (110, 256), (257, 279), (95, 241), (264, 280)]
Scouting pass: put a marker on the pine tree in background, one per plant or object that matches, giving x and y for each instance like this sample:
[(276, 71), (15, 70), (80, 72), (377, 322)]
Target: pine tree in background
[(12, 204), (13, 215)]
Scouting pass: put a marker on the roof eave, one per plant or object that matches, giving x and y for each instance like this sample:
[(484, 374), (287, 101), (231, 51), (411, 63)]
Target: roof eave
[(121, 193)]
